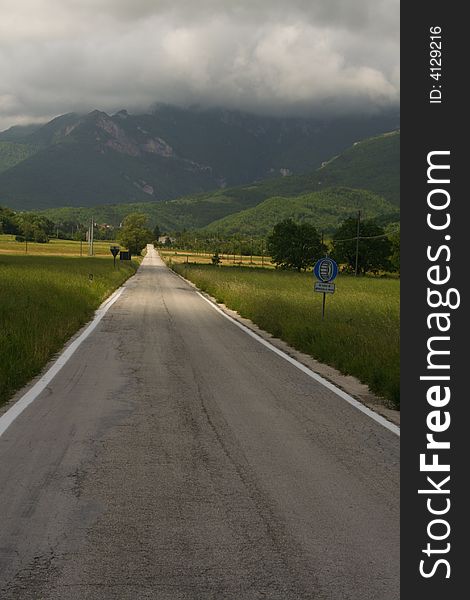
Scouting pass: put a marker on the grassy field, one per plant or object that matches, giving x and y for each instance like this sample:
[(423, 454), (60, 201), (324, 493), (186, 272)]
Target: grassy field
[(8, 245), (359, 336), (205, 258), (44, 300)]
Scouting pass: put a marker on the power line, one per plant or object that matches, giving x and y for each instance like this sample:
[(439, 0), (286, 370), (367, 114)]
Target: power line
[(361, 237)]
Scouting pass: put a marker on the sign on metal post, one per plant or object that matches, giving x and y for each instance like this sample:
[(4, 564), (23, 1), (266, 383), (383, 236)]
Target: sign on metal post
[(326, 288), (114, 252), (325, 270)]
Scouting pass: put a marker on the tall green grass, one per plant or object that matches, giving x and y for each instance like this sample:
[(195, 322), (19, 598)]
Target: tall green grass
[(44, 300), (360, 333)]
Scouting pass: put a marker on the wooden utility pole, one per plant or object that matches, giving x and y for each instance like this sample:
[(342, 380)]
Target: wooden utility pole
[(357, 241), (90, 238)]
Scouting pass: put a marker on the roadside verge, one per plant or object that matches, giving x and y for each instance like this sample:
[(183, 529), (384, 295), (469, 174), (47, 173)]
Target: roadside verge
[(349, 384)]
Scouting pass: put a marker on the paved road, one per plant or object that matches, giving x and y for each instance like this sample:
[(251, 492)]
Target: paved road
[(174, 457)]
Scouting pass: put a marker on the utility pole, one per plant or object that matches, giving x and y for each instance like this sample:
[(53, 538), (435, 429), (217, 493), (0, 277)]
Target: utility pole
[(357, 241), (90, 238)]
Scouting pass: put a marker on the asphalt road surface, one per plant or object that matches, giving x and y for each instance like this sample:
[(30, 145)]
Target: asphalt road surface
[(175, 457)]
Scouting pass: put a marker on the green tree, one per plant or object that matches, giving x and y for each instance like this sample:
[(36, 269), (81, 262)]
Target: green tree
[(374, 246), (8, 221), (395, 254), (134, 233), (34, 228), (294, 245), (156, 232), (216, 260)]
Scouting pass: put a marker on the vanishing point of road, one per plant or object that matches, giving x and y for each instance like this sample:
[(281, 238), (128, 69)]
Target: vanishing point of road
[(174, 457)]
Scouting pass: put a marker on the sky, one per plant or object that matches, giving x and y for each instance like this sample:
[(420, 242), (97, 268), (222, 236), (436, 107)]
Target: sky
[(290, 57)]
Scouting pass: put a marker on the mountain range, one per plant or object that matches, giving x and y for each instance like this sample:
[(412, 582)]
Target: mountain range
[(366, 177), (100, 159)]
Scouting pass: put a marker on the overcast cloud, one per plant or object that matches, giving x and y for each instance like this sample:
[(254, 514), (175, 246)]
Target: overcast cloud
[(283, 56)]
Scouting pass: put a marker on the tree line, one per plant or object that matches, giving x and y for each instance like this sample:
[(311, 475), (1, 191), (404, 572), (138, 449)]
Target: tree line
[(26, 226), (35, 227), (358, 246), (364, 246)]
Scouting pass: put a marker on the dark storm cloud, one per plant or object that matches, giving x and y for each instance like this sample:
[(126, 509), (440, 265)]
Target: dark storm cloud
[(276, 56)]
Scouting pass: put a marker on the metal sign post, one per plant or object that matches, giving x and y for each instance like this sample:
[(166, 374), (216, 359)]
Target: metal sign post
[(114, 252), (325, 270)]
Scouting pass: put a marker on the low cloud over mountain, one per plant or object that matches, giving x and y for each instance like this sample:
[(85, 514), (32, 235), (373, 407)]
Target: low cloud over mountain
[(269, 56)]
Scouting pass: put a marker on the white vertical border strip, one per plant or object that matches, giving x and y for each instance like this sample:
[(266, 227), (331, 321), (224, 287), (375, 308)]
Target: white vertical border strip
[(12, 413)]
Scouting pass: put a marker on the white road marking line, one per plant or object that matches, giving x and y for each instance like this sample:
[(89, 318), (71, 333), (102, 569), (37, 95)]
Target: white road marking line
[(339, 392), (11, 414)]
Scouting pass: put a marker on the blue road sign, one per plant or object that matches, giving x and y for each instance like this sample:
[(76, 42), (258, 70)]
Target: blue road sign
[(325, 269)]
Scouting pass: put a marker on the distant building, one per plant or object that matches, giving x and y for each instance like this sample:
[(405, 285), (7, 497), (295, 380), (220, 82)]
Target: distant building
[(162, 239)]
